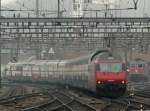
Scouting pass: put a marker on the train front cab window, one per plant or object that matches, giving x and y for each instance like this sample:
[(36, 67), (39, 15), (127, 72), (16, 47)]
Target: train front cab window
[(140, 66), (109, 67)]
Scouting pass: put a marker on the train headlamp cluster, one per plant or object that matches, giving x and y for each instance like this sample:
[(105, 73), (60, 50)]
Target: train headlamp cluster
[(123, 82), (99, 82)]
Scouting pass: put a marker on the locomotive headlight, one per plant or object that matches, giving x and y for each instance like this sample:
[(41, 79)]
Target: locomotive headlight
[(99, 82), (123, 82)]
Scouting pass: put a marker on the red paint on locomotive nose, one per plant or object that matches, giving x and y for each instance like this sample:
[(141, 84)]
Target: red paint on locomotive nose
[(110, 77), (136, 71)]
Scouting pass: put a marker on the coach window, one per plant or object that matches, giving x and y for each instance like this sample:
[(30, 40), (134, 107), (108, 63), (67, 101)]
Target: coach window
[(19, 68), (140, 65)]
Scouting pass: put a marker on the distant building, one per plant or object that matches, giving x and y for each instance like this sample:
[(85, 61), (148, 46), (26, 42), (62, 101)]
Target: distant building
[(77, 8)]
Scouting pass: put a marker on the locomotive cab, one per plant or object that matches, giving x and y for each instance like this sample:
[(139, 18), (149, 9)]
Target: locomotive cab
[(110, 74)]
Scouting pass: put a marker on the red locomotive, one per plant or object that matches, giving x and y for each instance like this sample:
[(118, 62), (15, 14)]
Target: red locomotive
[(137, 71), (110, 72)]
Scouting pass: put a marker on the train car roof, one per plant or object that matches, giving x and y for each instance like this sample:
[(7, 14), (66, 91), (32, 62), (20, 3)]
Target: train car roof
[(16, 63), (105, 54), (39, 62), (109, 61), (95, 54), (139, 60), (79, 60), (102, 54)]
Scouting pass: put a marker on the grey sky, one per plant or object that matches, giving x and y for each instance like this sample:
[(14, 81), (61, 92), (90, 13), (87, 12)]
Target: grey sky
[(143, 7)]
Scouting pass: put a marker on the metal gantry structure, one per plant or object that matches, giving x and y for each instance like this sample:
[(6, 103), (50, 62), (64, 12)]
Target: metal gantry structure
[(90, 33)]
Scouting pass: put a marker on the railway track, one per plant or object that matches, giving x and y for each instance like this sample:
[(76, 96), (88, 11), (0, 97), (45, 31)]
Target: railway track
[(141, 96), (13, 92), (62, 102), (140, 87), (140, 102), (18, 98), (61, 99), (113, 105), (126, 104)]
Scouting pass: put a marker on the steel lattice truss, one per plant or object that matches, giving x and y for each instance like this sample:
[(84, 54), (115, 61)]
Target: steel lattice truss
[(74, 33)]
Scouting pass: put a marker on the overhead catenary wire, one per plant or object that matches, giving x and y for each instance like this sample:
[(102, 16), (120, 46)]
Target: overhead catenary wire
[(25, 9), (47, 8)]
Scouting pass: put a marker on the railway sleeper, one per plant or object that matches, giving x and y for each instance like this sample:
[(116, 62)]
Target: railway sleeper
[(15, 98)]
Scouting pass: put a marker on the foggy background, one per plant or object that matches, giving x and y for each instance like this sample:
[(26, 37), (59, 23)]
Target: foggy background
[(48, 8)]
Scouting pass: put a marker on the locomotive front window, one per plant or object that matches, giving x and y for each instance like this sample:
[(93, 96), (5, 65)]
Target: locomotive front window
[(140, 66), (110, 67)]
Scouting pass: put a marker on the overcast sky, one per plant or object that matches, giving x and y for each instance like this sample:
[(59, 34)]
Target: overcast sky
[(143, 7)]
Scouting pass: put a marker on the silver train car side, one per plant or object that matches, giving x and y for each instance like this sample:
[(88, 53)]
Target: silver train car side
[(63, 72)]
